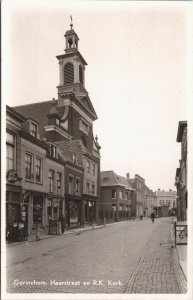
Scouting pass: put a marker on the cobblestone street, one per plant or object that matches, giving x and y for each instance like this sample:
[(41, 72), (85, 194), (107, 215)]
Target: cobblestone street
[(129, 257)]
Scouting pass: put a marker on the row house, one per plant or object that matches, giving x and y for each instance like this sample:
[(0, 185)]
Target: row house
[(36, 177), (166, 202), (116, 196), (181, 173), (138, 184), (150, 202), (66, 124)]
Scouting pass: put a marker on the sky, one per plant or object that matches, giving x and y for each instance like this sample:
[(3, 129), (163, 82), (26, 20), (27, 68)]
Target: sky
[(136, 77)]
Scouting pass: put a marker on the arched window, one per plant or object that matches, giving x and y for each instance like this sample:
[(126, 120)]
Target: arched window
[(70, 43), (68, 73), (80, 74)]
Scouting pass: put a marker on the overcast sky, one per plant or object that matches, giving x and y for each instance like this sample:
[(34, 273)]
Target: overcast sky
[(136, 74)]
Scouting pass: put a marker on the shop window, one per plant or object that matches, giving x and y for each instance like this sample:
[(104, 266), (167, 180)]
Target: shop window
[(29, 166), (70, 184), (114, 194), (10, 146), (37, 209), (51, 181), (59, 176), (77, 186), (34, 129), (114, 207), (38, 169)]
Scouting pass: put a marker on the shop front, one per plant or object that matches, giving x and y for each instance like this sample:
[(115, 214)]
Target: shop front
[(90, 204), (13, 204), (74, 211)]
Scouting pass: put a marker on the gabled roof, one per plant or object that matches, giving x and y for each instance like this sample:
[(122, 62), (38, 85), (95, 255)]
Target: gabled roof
[(149, 192), (110, 178), (37, 111)]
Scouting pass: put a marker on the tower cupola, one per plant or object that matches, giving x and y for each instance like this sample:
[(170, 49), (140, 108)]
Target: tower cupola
[(71, 39)]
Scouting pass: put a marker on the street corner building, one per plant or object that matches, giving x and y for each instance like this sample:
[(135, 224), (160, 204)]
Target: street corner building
[(117, 197), (53, 159)]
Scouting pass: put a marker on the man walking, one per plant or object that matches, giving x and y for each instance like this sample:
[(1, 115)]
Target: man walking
[(152, 217)]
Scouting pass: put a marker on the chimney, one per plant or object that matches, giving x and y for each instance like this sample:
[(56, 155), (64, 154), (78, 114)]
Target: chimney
[(127, 175)]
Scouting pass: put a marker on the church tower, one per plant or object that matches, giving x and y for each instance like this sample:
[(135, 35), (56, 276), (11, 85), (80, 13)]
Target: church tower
[(72, 94)]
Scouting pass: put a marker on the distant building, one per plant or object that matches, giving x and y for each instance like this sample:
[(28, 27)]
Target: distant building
[(116, 196), (138, 184), (181, 173), (150, 202), (166, 201)]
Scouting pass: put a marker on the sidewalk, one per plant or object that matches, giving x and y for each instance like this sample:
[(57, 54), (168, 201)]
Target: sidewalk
[(43, 235)]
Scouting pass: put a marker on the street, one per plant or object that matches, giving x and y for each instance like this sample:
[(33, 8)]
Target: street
[(128, 257)]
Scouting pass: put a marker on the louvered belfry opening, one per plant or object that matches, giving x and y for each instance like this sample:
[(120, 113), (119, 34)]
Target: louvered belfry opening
[(80, 74), (68, 73)]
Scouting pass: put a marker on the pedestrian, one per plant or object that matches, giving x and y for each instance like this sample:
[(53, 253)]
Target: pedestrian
[(62, 220), (152, 217)]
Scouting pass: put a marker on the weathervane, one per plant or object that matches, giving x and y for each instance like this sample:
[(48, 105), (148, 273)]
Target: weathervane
[(71, 25)]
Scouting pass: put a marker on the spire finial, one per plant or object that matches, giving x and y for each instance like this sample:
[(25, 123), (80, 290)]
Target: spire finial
[(71, 25)]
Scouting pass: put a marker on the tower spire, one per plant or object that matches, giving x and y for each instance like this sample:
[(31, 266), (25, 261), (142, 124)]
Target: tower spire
[(71, 25)]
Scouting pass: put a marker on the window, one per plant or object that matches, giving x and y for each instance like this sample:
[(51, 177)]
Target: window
[(93, 189), (10, 144), (34, 130), (83, 126), (77, 186), (88, 166), (51, 181), (28, 166), (80, 74), (93, 169), (74, 158), (38, 169), (68, 73), (59, 176), (57, 122), (70, 184), (126, 196), (53, 150), (121, 194), (88, 188), (114, 194)]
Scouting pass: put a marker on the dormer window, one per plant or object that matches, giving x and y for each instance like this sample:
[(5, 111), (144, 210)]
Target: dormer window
[(34, 129), (53, 150)]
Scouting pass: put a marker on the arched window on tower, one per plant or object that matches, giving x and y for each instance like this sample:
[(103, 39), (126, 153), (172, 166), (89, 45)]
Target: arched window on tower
[(70, 43), (68, 73), (80, 74)]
